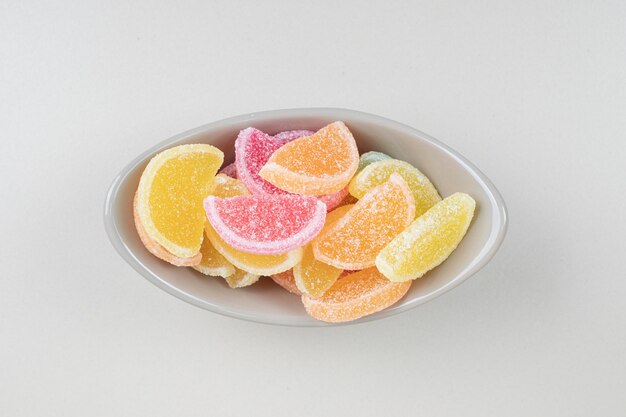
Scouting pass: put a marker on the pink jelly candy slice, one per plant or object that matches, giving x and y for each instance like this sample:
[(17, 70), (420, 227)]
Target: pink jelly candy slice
[(252, 150), (266, 224), (230, 170), (333, 200), (289, 135)]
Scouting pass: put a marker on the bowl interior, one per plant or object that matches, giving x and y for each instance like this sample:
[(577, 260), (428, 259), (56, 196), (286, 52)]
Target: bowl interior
[(265, 301)]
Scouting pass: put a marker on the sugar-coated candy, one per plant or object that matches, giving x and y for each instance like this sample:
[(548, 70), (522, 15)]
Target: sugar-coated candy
[(253, 148), (355, 239), (429, 240), (376, 173), (319, 164), (213, 263), (287, 281), (241, 279), (313, 277), (251, 262), (370, 157), (158, 250), (355, 295), (229, 170), (266, 224), (170, 193)]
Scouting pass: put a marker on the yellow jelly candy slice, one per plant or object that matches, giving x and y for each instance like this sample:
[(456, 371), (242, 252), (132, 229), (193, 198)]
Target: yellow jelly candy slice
[(170, 195), (428, 241), (354, 296), (213, 263), (353, 241), (254, 263), (241, 279), (226, 187), (376, 173), (313, 277)]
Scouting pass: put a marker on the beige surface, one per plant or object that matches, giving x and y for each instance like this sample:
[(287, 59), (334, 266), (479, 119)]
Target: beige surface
[(532, 92)]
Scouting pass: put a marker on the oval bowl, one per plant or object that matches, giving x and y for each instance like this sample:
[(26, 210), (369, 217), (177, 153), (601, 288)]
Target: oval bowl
[(265, 302)]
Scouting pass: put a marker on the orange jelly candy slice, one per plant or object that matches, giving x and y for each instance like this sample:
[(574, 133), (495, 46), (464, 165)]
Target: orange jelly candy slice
[(355, 239), (356, 295), (319, 164)]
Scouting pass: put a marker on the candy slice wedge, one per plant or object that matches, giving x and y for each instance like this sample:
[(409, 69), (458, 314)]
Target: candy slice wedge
[(158, 250), (319, 164), (287, 281), (213, 263), (254, 263), (266, 224), (355, 295), (355, 239), (378, 172), (428, 241), (170, 194)]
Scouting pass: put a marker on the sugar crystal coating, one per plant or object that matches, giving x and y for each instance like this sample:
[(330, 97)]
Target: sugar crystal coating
[(157, 250), (319, 164), (370, 157), (241, 279), (229, 170), (335, 199), (213, 263), (289, 135), (429, 240), (355, 295), (226, 187), (313, 277), (266, 224), (170, 194), (355, 239), (253, 148), (376, 173), (251, 262), (287, 281)]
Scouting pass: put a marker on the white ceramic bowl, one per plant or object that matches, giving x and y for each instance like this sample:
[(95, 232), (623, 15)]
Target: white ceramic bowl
[(265, 302)]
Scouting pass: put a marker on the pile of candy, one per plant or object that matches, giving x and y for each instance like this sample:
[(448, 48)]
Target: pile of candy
[(347, 232)]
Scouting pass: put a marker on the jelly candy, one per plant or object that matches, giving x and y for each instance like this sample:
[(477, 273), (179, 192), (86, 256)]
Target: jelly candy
[(241, 279), (252, 150), (376, 173), (158, 250), (213, 263), (287, 281), (253, 263), (319, 164), (226, 187), (289, 135), (355, 239), (266, 224), (170, 194), (229, 170), (356, 295), (335, 199), (428, 241), (313, 277), (370, 157)]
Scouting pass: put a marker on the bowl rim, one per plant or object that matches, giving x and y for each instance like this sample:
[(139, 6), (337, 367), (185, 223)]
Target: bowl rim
[(499, 223)]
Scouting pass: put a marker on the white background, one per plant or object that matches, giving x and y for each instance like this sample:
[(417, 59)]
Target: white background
[(533, 92)]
